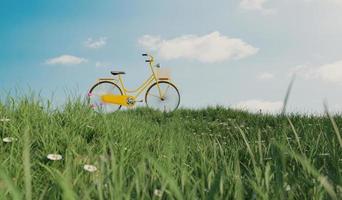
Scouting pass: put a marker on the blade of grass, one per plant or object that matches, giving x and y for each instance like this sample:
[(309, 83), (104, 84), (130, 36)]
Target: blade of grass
[(27, 165), (13, 190), (260, 149), (287, 96), (170, 181), (329, 188), (239, 189), (64, 184), (296, 135), (337, 132), (248, 146), (215, 187)]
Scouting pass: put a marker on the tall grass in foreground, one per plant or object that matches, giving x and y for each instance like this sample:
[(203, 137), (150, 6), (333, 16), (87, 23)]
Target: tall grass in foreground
[(213, 153)]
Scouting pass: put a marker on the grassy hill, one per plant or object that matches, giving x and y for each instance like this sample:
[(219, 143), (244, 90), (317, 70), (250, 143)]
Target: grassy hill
[(214, 153)]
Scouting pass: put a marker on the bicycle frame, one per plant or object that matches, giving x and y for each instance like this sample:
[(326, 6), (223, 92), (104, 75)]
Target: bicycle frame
[(140, 89), (153, 78), (128, 98)]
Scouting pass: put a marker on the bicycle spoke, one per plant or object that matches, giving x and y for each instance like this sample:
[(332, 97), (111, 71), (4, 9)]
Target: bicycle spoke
[(169, 100), (168, 86), (97, 92), (153, 95), (96, 95)]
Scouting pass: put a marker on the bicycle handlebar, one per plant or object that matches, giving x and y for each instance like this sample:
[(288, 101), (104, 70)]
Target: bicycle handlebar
[(150, 60)]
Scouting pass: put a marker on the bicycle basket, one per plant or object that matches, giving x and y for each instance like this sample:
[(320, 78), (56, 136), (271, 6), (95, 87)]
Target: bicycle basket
[(163, 73)]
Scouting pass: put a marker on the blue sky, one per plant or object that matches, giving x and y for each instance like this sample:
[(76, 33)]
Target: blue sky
[(239, 53)]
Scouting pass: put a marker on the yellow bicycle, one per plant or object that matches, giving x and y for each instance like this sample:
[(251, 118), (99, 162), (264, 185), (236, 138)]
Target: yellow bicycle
[(110, 94)]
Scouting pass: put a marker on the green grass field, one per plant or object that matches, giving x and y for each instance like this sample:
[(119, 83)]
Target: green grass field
[(213, 153)]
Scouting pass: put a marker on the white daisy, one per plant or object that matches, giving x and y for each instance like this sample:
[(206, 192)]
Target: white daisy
[(288, 188), (54, 157), (158, 193), (9, 139), (90, 168), (4, 120)]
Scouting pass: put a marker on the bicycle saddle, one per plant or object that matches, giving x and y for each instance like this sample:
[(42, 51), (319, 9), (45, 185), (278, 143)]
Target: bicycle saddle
[(117, 72)]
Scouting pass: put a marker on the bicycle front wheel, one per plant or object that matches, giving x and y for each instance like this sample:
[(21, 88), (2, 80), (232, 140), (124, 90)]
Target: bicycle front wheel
[(102, 88), (166, 100)]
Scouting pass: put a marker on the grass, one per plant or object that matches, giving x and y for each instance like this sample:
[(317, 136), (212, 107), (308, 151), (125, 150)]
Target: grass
[(213, 153)]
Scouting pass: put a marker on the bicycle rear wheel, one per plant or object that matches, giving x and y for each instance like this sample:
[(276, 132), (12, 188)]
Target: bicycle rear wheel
[(169, 99), (102, 88)]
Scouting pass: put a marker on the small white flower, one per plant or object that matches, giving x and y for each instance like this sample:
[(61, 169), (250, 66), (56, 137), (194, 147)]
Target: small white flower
[(288, 188), (54, 157), (9, 139), (158, 193), (90, 168), (4, 120)]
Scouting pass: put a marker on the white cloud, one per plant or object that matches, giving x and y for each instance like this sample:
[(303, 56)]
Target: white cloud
[(303, 71), (260, 105), (338, 2), (265, 76), (256, 5), (329, 72), (65, 60), (99, 64), (95, 43), (103, 65), (210, 48)]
